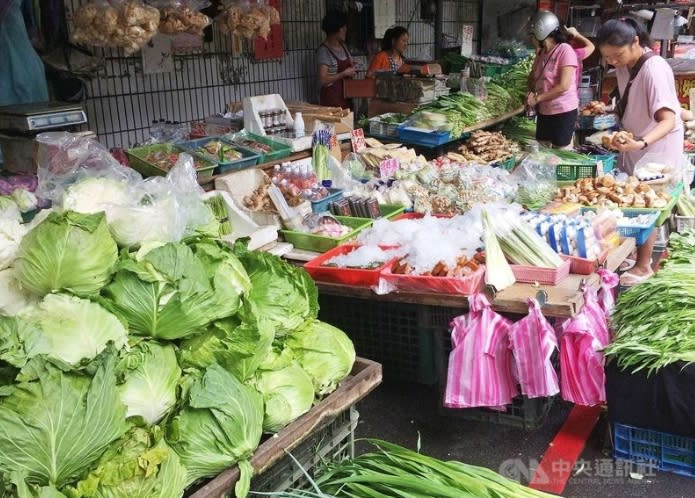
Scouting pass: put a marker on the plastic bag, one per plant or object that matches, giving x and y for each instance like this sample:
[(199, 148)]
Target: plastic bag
[(321, 140), (533, 342), (64, 158), (536, 177), (607, 290), (182, 16), (248, 19), (127, 24), (480, 363), (652, 170), (343, 176)]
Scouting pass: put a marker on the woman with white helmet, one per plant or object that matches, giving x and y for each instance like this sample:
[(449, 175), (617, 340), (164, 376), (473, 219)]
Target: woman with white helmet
[(552, 89)]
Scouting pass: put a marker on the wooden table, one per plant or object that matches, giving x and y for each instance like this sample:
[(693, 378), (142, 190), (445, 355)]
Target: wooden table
[(563, 300)]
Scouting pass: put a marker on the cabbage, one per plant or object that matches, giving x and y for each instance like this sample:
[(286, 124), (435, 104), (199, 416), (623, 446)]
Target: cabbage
[(238, 346), (280, 292), (287, 391), (11, 233), (13, 297), (67, 251), (151, 374), (9, 209), (26, 201), (94, 195), (325, 352), (170, 293), (151, 221), (139, 465), (54, 425), (219, 425), (72, 329)]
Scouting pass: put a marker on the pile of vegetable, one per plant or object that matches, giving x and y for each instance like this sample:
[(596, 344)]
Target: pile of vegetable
[(137, 370), (165, 160), (606, 191), (488, 147), (394, 471), (686, 205), (218, 151), (515, 81), (654, 321), (459, 111)]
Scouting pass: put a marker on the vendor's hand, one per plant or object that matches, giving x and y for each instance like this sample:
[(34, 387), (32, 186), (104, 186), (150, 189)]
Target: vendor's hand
[(622, 142), (350, 71), (532, 99)]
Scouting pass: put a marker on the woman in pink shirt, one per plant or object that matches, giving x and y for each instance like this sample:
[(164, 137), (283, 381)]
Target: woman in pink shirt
[(651, 111), (552, 85)]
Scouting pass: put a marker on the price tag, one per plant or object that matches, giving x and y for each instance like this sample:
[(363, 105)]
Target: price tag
[(388, 167), (357, 139)]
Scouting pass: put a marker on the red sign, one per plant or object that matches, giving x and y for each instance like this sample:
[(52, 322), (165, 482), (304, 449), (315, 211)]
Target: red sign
[(273, 46)]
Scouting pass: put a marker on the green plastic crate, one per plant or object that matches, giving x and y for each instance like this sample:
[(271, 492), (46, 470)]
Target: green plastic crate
[(390, 211), (137, 160), (278, 150), (572, 172), (321, 243)]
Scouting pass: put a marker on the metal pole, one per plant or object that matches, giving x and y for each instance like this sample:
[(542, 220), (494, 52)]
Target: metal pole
[(438, 31)]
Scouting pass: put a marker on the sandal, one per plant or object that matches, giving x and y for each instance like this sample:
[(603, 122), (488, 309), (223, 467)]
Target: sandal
[(627, 264), (630, 279)]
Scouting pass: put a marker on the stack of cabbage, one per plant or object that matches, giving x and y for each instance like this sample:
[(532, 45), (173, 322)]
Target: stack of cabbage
[(135, 373)]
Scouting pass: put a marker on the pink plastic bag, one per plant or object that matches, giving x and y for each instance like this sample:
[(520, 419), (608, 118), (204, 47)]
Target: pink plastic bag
[(606, 292), (596, 316), (480, 363), (582, 379), (533, 342)]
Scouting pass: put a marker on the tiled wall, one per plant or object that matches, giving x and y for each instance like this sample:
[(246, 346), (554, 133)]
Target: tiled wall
[(122, 102)]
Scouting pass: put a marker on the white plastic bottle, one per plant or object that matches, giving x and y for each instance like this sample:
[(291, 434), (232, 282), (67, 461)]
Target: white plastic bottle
[(298, 125)]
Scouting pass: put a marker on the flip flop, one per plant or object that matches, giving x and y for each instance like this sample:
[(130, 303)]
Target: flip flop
[(630, 279), (627, 264)]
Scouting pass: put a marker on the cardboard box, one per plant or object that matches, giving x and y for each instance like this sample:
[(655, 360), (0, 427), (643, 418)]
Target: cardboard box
[(380, 106)]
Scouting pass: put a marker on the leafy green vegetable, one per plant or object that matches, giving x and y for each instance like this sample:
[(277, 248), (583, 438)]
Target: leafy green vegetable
[(96, 194), (67, 252), (219, 425), (284, 294), (169, 293), (72, 329), (150, 375), (324, 352), (14, 297), (139, 465), (9, 209), (11, 233), (287, 390), (56, 425), (238, 346)]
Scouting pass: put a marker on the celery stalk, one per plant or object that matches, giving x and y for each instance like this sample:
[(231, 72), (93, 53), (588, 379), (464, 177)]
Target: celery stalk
[(498, 273)]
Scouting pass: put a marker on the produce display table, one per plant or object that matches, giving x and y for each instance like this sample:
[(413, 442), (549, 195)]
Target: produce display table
[(366, 376), (563, 300)]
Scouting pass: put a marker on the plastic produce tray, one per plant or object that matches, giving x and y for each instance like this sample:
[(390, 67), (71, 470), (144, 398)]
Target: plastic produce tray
[(608, 160), (321, 206), (361, 277), (378, 127), (684, 222), (137, 160), (653, 449), (394, 334), (571, 172), (321, 243), (545, 276), (278, 150), (248, 159), (470, 284), (639, 232), (426, 138), (524, 413), (390, 211)]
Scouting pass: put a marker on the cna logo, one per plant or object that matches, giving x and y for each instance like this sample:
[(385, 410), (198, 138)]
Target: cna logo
[(519, 470)]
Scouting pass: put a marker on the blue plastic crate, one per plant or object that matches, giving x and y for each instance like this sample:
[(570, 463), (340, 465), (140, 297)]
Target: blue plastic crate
[(418, 136), (654, 449), (322, 205), (608, 160), (248, 159), (639, 232)]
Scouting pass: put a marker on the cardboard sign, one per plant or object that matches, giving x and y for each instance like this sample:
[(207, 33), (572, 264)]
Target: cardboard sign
[(388, 167), (357, 139), (157, 56)]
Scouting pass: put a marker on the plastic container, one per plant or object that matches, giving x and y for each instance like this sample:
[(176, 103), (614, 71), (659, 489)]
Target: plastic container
[(426, 138), (571, 172), (655, 450), (360, 277), (322, 205), (299, 130), (278, 150), (508, 164), (544, 276), (639, 232), (321, 243), (393, 334), (397, 282), (684, 222), (608, 162), (379, 127), (248, 159), (584, 266), (137, 159)]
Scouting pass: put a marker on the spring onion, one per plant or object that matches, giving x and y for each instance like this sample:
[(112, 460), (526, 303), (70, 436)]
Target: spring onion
[(522, 245)]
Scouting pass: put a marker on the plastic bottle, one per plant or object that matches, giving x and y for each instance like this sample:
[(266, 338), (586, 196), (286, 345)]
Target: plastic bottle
[(298, 125), (277, 174)]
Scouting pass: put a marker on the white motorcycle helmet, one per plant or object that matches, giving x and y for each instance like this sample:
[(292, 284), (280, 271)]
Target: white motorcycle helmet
[(543, 23)]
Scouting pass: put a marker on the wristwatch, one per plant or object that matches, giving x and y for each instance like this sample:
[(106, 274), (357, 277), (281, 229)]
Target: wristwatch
[(645, 144)]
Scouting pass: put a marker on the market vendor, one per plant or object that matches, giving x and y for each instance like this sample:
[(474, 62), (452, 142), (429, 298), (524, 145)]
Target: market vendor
[(552, 88), (22, 77), (390, 59), (583, 48), (648, 108), (334, 61)]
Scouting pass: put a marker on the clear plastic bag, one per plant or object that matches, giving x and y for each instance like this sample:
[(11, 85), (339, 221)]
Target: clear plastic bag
[(248, 19), (536, 177), (126, 24), (182, 16)]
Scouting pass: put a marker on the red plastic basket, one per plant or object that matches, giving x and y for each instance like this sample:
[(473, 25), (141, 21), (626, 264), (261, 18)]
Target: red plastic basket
[(467, 285), (347, 276), (583, 266), (547, 276)]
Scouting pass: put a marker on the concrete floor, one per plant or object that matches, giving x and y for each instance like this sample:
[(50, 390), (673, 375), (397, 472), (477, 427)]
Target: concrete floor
[(398, 412)]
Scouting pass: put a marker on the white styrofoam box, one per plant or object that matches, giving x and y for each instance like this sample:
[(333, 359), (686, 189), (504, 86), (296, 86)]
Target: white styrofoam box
[(252, 120), (243, 225), (241, 184)]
